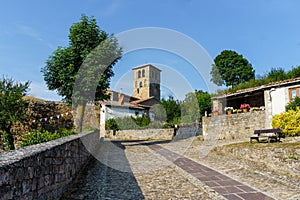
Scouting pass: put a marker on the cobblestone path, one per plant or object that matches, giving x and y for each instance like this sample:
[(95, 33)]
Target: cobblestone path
[(224, 185), (148, 170)]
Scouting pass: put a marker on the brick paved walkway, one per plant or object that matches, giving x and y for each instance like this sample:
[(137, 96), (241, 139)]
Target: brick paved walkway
[(224, 185)]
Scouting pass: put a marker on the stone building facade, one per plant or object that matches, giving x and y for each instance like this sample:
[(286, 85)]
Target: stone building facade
[(146, 82)]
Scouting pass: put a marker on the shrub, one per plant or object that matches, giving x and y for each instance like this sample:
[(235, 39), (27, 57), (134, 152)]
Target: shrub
[(40, 136), (288, 122), (131, 123), (8, 140), (111, 124), (293, 104)]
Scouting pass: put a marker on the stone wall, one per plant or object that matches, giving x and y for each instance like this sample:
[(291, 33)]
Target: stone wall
[(183, 132), (235, 126), (188, 131), (156, 134), (44, 170), (46, 115)]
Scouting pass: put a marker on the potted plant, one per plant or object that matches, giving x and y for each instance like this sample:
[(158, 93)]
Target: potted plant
[(228, 110), (215, 112), (253, 109), (245, 107)]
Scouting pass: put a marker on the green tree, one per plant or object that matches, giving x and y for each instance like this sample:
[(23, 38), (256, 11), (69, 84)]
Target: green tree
[(293, 105), (204, 102), (276, 74), (233, 69), (12, 107), (172, 109), (195, 104), (294, 72), (93, 52)]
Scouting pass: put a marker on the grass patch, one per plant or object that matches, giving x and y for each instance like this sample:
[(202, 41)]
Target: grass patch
[(294, 145), (294, 157)]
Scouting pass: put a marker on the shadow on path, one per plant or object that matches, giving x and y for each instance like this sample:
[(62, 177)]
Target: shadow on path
[(99, 181)]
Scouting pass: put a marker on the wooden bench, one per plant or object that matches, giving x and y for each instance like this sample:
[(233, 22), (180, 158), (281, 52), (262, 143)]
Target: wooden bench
[(267, 133)]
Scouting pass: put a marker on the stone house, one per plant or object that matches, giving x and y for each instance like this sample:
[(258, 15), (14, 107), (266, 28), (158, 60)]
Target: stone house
[(271, 98), (146, 94)]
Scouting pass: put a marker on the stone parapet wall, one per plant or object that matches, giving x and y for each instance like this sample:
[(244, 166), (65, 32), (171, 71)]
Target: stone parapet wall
[(235, 126), (155, 134), (188, 131), (44, 170)]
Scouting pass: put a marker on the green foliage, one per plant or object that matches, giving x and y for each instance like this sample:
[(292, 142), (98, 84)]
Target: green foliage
[(61, 69), (40, 136), (232, 68), (172, 109), (294, 73), (190, 109), (111, 124), (12, 107), (288, 122), (131, 123), (141, 121), (293, 105), (8, 140), (276, 74), (194, 106)]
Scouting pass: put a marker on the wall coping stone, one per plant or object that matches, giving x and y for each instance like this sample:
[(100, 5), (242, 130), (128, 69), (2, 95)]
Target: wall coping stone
[(10, 157)]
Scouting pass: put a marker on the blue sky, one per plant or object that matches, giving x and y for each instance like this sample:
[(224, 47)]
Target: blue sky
[(266, 32)]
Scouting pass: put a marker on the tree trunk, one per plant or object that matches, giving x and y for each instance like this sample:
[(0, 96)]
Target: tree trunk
[(81, 111)]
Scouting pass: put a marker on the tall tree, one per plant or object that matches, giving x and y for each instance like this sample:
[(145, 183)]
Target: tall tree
[(294, 72), (232, 67), (61, 69), (12, 107), (195, 104), (276, 74), (88, 60), (172, 109)]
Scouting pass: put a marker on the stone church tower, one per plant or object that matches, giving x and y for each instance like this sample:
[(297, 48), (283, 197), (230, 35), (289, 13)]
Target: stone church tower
[(146, 80)]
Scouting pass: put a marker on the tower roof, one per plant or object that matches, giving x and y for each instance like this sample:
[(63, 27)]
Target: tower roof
[(146, 65)]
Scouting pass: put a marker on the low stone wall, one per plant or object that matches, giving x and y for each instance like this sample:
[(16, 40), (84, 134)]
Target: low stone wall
[(235, 126), (44, 170), (155, 134), (188, 131)]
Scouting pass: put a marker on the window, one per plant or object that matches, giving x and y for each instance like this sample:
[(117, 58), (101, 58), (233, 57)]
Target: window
[(136, 85), (293, 92), (145, 82), (141, 84), (143, 73), (139, 74)]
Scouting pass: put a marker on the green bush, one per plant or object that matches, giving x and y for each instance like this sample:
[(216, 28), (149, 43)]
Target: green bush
[(288, 122), (111, 124), (293, 105), (40, 136), (131, 123), (9, 140)]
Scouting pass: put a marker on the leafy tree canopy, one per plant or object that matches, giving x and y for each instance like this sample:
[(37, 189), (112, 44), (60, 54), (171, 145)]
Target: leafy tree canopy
[(12, 106), (231, 69), (195, 105), (172, 109), (61, 69)]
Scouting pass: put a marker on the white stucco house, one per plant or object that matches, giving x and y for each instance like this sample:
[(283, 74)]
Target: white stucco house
[(273, 97), (146, 94)]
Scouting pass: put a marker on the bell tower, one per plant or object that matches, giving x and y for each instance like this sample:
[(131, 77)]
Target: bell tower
[(146, 82)]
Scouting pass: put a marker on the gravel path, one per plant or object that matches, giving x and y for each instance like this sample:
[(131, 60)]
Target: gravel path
[(132, 170)]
